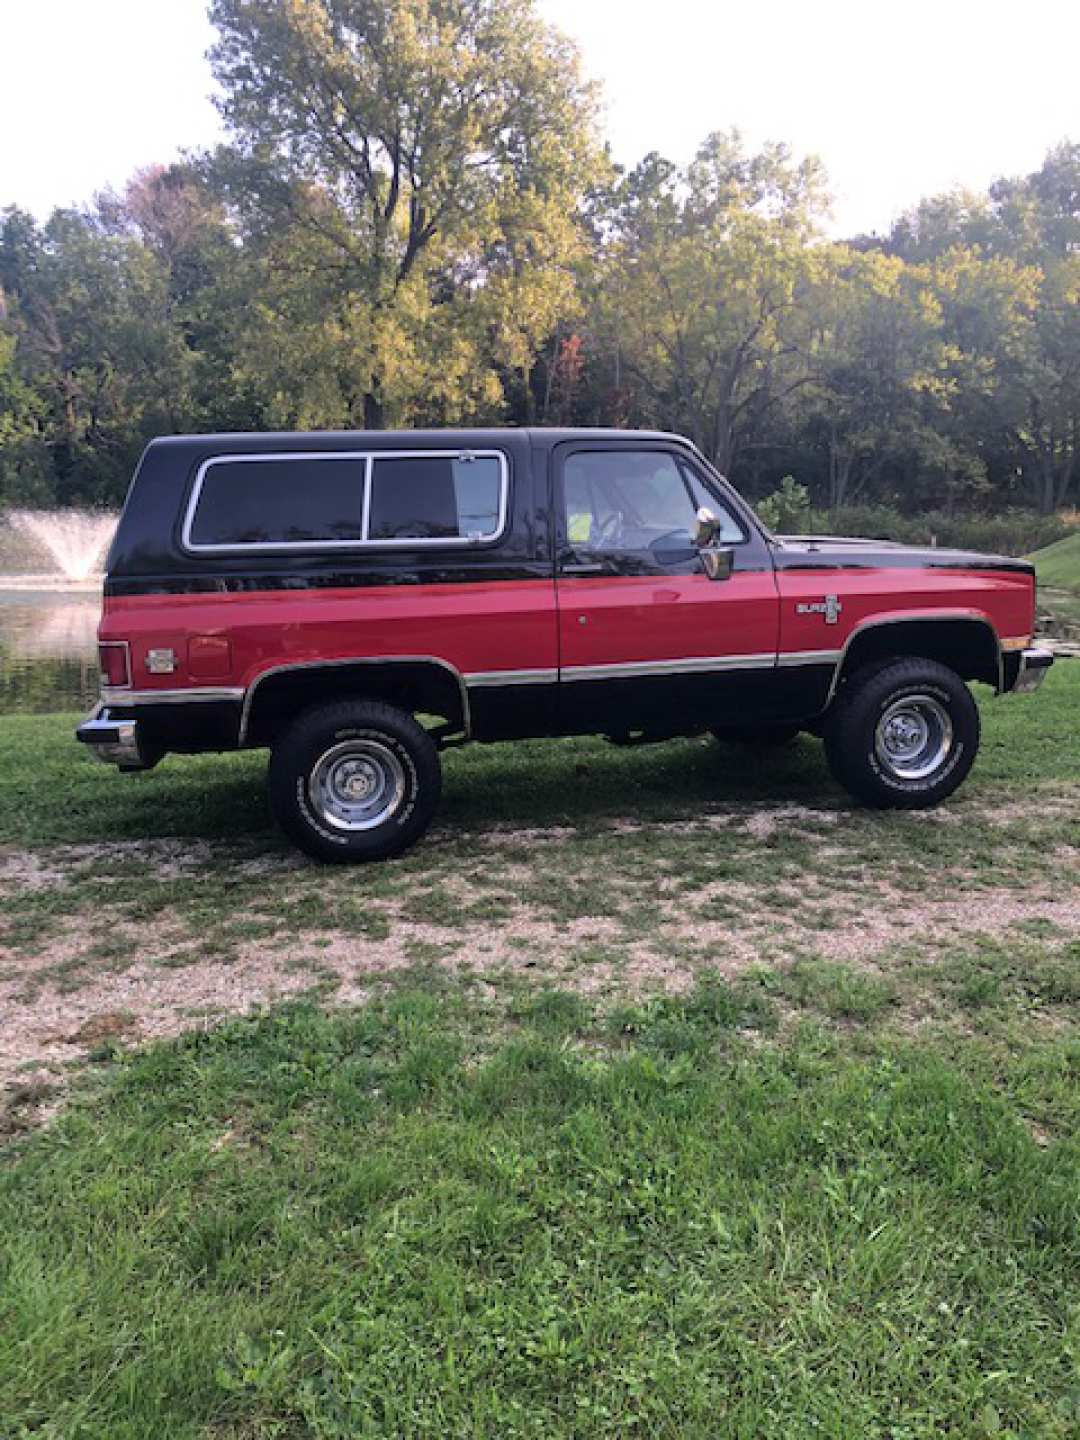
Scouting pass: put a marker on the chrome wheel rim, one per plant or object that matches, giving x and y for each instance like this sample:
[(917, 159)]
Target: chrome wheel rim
[(913, 737), (357, 785)]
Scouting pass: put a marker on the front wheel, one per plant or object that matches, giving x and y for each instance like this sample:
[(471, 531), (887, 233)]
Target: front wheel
[(354, 780), (903, 734)]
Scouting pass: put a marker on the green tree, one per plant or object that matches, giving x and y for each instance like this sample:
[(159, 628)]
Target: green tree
[(701, 289), (409, 173), (211, 284), (24, 471), (1030, 387), (873, 338), (1044, 413), (96, 343)]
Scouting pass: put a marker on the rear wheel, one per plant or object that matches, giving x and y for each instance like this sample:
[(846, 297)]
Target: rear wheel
[(354, 780), (902, 734)]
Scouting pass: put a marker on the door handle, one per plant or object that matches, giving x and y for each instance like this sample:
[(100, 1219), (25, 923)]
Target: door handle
[(595, 568)]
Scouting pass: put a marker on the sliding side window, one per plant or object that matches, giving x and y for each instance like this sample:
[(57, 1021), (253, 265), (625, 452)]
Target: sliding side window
[(320, 502)]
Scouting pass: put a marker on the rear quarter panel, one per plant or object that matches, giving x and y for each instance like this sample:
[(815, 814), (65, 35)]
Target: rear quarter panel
[(475, 626)]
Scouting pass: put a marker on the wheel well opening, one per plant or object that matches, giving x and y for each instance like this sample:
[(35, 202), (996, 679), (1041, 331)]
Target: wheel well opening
[(420, 687), (967, 646)]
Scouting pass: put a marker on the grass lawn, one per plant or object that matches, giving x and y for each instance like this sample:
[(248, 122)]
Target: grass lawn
[(1058, 565), (657, 1093)]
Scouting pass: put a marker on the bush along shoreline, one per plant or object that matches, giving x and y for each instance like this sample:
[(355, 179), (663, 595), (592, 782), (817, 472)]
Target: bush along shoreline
[(1013, 531)]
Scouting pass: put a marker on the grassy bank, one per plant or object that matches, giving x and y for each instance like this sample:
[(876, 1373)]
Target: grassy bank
[(658, 1093), (1058, 565)]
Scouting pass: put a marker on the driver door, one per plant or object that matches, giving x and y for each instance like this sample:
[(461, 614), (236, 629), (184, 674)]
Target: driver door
[(646, 639)]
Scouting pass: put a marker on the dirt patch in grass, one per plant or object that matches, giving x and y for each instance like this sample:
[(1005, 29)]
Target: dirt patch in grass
[(56, 1026), (27, 870), (135, 940)]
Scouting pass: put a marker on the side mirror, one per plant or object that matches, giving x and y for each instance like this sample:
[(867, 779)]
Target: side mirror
[(705, 527), (719, 561)]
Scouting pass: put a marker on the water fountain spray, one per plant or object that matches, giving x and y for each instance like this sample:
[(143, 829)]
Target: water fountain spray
[(74, 541)]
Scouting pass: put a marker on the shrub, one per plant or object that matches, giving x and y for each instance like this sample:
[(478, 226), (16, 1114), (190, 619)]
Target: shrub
[(786, 511), (1012, 532)]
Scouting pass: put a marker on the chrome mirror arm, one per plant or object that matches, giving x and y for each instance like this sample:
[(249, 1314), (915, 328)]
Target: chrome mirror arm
[(706, 525)]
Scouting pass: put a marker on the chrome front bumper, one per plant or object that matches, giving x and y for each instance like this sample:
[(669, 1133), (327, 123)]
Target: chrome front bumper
[(1034, 664), (114, 742)]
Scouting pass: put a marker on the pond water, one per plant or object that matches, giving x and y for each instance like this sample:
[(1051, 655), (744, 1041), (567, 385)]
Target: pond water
[(48, 648)]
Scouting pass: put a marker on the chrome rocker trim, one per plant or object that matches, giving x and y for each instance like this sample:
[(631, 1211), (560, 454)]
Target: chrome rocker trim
[(808, 657), (646, 669)]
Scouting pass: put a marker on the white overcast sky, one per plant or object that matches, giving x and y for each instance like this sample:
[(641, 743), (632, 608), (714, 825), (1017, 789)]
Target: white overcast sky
[(899, 100)]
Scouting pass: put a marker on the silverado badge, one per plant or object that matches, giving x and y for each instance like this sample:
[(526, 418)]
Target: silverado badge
[(830, 607)]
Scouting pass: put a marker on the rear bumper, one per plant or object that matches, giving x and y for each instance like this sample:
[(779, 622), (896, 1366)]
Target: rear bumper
[(115, 742), (1031, 670)]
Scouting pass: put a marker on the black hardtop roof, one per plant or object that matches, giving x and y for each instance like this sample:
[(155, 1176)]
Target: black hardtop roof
[(258, 440)]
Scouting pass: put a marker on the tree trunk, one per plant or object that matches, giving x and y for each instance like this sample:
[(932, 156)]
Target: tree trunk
[(528, 399), (374, 416), (840, 468), (719, 445)]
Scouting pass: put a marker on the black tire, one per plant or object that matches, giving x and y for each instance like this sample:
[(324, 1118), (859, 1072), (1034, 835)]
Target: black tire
[(354, 780), (902, 734), (757, 737)]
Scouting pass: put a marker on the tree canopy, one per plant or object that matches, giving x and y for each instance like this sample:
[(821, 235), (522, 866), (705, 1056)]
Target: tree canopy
[(413, 220)]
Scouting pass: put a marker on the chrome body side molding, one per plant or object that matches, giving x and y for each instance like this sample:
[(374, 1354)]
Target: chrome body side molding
[(493, 679), (644, 669), (808, 657), (190, 695)]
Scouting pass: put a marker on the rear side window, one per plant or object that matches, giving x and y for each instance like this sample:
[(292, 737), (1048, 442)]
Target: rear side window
[(329, 500), (435, 497), (274, 501)]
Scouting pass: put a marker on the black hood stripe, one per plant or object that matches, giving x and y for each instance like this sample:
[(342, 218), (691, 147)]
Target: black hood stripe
[(870, 557)]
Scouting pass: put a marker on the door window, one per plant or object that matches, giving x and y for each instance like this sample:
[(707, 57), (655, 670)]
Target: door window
[(640, 503)]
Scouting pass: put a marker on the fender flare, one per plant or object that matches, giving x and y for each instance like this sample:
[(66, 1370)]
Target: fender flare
[(252, 687), (908, 617)]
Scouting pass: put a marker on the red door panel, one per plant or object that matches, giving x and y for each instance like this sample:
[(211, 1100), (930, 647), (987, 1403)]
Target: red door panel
[(648, 620)]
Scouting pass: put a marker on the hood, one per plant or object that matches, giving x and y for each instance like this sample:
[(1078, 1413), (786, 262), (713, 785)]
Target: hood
[(842, 552)]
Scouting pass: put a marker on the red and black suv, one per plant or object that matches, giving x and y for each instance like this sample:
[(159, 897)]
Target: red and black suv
[(356, 602)]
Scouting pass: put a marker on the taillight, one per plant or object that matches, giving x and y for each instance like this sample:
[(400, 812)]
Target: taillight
[(113, 657)]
